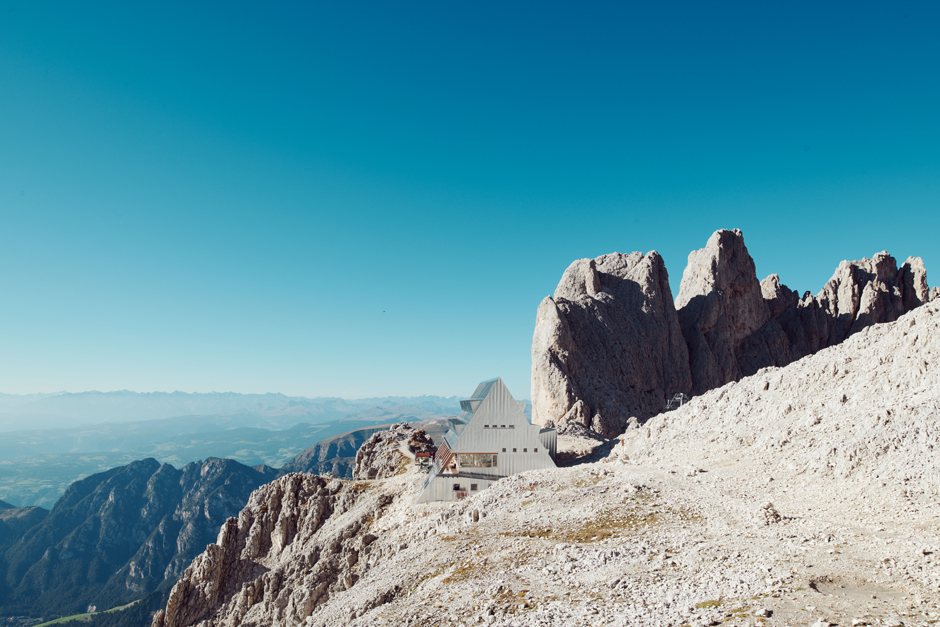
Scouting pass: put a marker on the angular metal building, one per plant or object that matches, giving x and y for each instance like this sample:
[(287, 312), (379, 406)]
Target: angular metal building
[(489, 440)]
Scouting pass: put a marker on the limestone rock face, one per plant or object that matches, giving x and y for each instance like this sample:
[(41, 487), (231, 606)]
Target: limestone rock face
[(860, 293), (608, 345), (383, 454), (912, 280), (734, 326), (724, 316), (291, 549)]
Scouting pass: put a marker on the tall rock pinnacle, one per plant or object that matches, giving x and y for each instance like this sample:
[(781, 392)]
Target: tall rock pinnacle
[(608, 345), (612, 345)]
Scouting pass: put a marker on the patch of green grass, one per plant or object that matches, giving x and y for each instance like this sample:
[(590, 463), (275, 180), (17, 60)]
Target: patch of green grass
[(66, 619), (613, 521), (83, 617), (708, 604)]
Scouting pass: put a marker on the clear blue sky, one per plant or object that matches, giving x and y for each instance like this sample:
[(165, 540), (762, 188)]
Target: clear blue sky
[(358, 199)]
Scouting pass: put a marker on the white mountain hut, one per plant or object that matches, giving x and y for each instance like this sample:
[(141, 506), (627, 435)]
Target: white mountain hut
[(489, 440)]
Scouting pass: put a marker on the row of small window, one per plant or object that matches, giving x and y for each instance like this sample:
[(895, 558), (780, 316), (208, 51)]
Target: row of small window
[(525, 450), (499, 427), (457, 488)]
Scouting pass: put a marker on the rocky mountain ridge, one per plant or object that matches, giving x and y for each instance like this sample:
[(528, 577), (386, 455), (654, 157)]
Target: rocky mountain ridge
[(118, 535), (336, 455), (799, 495), (611, 344)]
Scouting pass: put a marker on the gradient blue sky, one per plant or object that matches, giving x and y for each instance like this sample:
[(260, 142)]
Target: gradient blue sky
[(359, 199)]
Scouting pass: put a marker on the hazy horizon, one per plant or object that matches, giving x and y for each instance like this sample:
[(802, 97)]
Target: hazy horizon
[(367, 200)]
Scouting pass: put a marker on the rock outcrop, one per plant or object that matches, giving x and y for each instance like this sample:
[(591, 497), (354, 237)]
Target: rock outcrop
[(384, 453), (608, 345), (606, 349), (724, 316), (297, 543), (734, 326)]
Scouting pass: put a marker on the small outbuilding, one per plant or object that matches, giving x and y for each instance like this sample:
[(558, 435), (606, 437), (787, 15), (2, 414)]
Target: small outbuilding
[(489, 440)]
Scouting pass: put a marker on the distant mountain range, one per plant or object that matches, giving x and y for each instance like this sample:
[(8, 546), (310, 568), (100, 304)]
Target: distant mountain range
[(38, 464), (66, 409)]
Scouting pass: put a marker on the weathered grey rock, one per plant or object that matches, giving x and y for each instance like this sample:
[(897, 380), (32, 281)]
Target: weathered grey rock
[(382, 455), (723, 314), (605, 347), (608, 345), (859, 294), (768, 514), (734, 326), (778, 297), (912, 281)]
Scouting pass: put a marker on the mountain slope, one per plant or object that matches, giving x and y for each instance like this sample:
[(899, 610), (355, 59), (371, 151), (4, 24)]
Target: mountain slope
[(800, 495), (121, 534), (336, 455), (852, 416), (117, 535)]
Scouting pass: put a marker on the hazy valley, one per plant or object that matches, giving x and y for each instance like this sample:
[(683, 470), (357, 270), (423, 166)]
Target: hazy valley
[(36, 466)]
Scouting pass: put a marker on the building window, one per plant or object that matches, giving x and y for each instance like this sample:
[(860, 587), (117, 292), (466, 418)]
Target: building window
[(456, 487), (512, 426), (476, 460), (513, 450), (536, 450), (486, 426), (504, 450), (503, 426), (473, 487), (525, 450)]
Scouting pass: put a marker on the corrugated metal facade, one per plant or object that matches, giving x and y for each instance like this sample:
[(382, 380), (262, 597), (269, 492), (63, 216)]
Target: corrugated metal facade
[(492, 423)]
